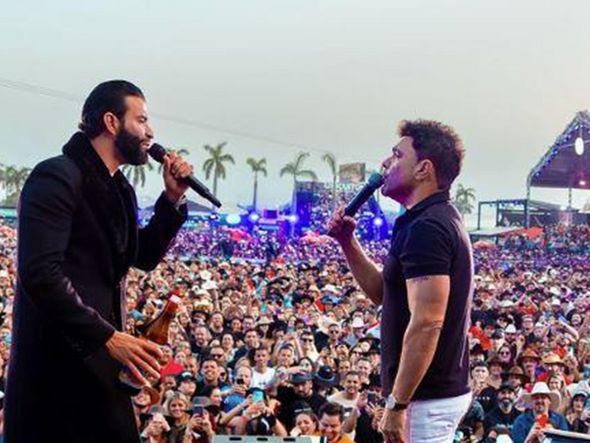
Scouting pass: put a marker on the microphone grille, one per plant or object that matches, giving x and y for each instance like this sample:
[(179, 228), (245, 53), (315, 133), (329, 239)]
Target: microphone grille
[(157, 152), (375, 180)]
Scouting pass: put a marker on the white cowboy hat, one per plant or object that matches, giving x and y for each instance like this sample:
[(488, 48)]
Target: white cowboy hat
[(541, 388)]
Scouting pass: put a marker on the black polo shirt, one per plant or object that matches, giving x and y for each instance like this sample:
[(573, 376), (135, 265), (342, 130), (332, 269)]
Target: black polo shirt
[(429, 239)]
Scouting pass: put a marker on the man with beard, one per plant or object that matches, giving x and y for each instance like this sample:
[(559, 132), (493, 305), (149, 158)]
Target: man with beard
[(298, 397), (504, 413), (78, 236)]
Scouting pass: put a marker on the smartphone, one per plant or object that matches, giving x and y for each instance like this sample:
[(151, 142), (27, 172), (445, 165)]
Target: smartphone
[(198, 410), (587, 371), (240, 381), (257, 396), (587, 404), (372, 398)]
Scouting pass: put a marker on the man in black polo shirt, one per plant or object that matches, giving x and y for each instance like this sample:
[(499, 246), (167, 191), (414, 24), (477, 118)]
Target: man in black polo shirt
[(425, 287)]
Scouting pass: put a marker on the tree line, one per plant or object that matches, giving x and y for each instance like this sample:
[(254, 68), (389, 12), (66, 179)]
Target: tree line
[(12, 178)]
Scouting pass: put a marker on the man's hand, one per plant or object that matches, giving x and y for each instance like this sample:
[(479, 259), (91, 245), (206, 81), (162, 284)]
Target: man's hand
[(536, 434), (341, 227), (239, 389), (137, 354), (393, 426), (175, 168)]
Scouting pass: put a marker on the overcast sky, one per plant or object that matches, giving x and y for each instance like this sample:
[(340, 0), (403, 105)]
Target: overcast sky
[(322, 75)]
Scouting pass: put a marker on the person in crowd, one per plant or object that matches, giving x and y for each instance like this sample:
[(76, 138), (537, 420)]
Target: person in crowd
[(577, 414), (505, 413), (262, 374), (331, 419), (298, 397), (306, 423), (540, 415), (177, 408), (157, 429)]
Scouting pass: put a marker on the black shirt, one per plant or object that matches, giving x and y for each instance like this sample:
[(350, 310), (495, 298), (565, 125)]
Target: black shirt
[(487, 398), (292, 404), (498, 418), (429, 239)]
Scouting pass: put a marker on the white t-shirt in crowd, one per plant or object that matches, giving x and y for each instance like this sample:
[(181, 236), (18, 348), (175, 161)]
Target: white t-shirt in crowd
[(262, 380)]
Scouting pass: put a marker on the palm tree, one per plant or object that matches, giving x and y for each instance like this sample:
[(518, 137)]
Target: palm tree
[(331, 160), (215, 163), (464, 198), (257, 166), (13, 180), (136, 174), (2, 175), (294, 168)]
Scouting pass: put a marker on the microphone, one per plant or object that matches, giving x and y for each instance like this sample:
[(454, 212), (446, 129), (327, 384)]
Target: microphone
[(157, 152), (375, 181)]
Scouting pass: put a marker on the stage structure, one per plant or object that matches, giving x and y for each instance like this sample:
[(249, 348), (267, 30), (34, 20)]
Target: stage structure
[(521, 213), (566, 165)]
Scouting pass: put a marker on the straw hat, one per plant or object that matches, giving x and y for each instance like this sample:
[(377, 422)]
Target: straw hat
[(553, 359), (516, 371), (541, 388), (528, 353)]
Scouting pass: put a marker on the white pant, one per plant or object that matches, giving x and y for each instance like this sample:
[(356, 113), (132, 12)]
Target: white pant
[(435, 421)]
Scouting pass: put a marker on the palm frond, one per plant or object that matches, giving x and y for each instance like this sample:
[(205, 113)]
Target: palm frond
[(330, 159), (289, 169), (300, 159)]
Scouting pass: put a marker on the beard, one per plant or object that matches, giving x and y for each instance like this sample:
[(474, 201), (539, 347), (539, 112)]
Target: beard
[(505, 403), (129, 146)]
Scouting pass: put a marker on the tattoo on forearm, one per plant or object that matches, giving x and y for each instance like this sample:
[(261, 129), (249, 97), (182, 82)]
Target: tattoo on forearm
[(422, 279)]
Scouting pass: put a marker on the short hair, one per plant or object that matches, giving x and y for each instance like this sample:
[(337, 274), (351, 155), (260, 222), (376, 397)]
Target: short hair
[(438, 143), (106, 97), (209, 358), (252, 330), (353, 374), (331, 409), (262, 348)]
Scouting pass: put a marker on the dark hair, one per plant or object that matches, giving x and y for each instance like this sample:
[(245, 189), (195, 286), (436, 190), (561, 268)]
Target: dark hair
[(209, 358), (262, 348), (106, 97), (353, 374), (438, 143), (331, 409)]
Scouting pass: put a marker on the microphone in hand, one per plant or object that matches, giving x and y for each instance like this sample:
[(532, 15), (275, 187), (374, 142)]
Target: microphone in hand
[(375, 181), (157, 152)]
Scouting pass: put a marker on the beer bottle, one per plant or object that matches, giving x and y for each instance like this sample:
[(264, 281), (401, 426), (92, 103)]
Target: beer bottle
[(155, 330)]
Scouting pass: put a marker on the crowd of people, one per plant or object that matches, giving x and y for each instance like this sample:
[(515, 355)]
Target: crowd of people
[(273, 337)]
